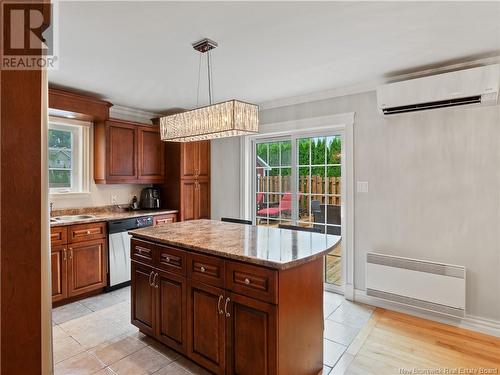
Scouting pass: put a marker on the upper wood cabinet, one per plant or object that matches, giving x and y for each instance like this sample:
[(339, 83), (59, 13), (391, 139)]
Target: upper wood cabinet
[(127, 152), (195, 160)]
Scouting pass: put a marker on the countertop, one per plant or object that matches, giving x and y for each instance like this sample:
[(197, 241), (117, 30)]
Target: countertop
[(271, 247), (109, 215)]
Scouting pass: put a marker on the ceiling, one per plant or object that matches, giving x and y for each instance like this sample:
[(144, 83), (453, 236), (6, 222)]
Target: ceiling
[(139, 54)]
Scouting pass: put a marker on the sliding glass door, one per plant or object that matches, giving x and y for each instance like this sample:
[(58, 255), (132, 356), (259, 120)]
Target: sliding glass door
[(298, 181)]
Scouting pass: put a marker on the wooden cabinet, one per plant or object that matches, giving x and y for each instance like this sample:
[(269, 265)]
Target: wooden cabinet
[(251, 329), (171, 311), (221, 313), (164, 219), (143, 298), (187, 183), (58, 265), (121, 149), (150, 155), (86, 266), (206, 326), (78, 260), (127, 152)]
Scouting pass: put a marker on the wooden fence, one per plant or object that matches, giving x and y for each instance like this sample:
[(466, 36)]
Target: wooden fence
[(315, 184)]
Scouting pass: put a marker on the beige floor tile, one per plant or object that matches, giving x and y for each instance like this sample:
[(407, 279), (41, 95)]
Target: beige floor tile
[(332, 351), (117, 348), (66, 347), (172, 369), (81, 364), (68, 312), (101, 301), (342, 364), (105, 371), (58, 333), (351, 314), (145, 361), (191, 367), (326, 370), (340, 333), (331, 297)]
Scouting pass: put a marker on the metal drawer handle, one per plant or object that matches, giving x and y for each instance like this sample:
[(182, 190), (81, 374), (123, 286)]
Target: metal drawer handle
[(70, 253), (88, 232), (247, 281), (202, 269), (218, 305), (167, 259), (139, 251), (151, 274), (64, 254), (154, 281), (225, 307)]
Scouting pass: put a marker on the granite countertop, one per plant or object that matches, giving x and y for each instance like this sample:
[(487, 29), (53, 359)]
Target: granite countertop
[(270, 247), (105, 214)]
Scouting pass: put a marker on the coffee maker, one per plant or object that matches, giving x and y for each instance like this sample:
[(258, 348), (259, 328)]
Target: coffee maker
[(150, 198)]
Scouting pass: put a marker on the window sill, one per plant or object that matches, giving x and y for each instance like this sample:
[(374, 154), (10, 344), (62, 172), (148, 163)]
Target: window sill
[(70, 195)]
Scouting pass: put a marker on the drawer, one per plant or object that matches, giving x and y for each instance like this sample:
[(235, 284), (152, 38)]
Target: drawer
[(252, 281), (86, 232), (172, 260), (207, 269), (164, 219), (142, 251), (58, 236)]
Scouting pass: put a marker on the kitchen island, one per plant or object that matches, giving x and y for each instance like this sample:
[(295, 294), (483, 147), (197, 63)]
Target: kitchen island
[(236, 299)]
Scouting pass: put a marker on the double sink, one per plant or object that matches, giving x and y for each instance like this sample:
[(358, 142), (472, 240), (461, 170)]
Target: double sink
[(68, 218)]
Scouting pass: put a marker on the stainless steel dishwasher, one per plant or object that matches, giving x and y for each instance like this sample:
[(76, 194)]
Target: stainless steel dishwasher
[(119, 249)]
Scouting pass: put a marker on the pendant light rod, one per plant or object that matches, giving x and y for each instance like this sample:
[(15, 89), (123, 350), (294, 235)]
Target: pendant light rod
[(205, 46)]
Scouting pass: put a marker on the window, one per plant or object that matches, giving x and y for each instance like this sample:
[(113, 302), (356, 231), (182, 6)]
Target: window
[(68, 142), (298, 181)]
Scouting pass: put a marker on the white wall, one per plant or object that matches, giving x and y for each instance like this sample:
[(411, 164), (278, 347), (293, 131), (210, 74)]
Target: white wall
[(434, 181)]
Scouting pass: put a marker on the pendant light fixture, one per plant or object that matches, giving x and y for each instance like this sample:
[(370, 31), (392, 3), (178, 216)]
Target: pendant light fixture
[(226, 119)]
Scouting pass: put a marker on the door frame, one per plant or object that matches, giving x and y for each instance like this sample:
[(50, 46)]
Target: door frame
[(324, 125)]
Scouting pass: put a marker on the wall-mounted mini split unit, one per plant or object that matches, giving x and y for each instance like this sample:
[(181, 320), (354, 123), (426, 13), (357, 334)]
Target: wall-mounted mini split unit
[(463, 87), (429, 286)]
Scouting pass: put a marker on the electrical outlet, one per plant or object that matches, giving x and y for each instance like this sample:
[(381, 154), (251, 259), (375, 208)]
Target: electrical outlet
[(114, 199), (362, 187)]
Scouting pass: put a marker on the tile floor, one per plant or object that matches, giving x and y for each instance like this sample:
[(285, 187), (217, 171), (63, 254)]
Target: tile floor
[(94, 336)]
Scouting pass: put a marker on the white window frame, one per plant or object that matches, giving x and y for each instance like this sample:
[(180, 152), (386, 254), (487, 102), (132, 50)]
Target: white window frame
[(318, 126), (80, 160)]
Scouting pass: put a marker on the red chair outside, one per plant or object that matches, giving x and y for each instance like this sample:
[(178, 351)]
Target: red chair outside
[(284, 205)]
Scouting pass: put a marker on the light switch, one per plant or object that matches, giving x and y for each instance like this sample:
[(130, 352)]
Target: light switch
[(362, 186)]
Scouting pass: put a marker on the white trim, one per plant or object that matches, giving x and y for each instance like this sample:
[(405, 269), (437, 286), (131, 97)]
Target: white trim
[(371, 85), (131, 114), (341, 123), (473, 323)]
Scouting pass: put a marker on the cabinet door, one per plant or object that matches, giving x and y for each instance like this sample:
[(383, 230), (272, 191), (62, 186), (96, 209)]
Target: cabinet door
[(206, 326), (204, 159), (58, 270), (150, 155), (143, 298), (189, 159), (251, 336), (86, 267), (188, 200), (171, 310), (203, 200), (121, 152)]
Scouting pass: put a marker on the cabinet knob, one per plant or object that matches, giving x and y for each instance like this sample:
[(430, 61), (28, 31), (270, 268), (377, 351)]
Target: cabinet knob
[(88, 232), (202, 269), (247, 280), (139, 251), (167, 259)]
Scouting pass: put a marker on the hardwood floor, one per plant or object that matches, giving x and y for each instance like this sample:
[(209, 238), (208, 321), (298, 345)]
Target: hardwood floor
[(395, 343)]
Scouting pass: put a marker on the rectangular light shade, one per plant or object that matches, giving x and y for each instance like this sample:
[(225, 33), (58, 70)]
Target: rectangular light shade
[(227, 119)]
